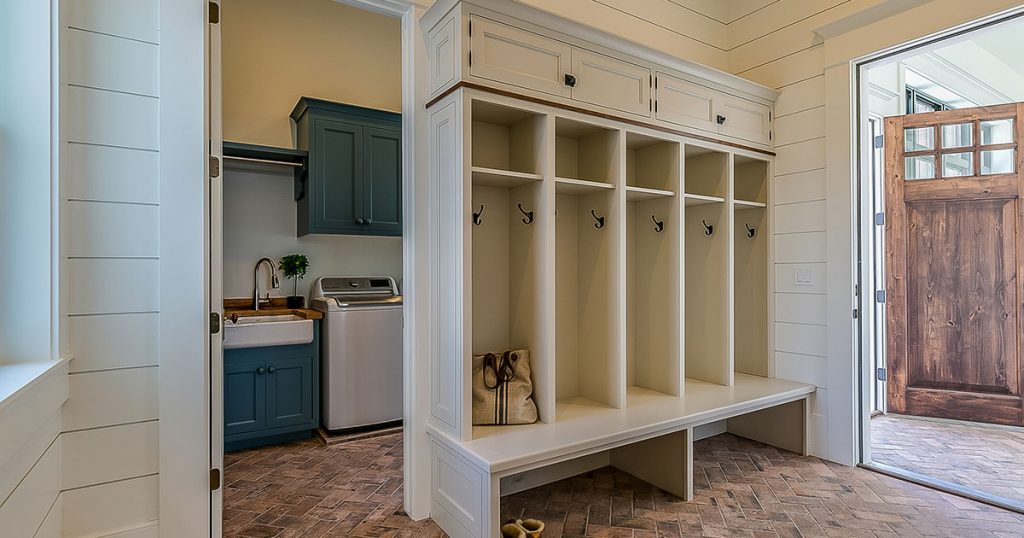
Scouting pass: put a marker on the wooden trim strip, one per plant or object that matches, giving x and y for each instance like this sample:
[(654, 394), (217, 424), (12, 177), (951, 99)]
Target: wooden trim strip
[(570, 108), (962, 188), (928, 119), (964, 149)]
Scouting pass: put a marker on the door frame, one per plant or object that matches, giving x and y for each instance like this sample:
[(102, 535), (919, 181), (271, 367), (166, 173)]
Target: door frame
[(417, 229), (864, 215)]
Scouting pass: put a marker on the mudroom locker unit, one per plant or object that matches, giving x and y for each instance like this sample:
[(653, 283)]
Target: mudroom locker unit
[(608, 208)]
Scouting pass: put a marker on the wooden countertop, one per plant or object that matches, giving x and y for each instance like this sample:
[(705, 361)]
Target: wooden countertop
[(278, 306)]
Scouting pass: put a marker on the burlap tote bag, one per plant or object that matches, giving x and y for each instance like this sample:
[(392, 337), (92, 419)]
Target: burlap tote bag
[(502, 389)]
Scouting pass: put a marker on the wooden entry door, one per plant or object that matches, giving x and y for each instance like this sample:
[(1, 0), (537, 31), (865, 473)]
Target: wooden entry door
[(954, 253)]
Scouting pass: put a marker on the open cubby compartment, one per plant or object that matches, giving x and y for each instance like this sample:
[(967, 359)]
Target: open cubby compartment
[(706, 175), (707, 269), (750, 311), (653, 315), (585, 152), (652, 165), (507, 144), (511, 305), (750, 182), (588, 311)]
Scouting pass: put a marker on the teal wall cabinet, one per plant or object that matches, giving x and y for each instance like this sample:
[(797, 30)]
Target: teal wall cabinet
[(271, 394), (353, 183)]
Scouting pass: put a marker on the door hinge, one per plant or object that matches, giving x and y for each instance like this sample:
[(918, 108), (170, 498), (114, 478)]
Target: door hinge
[(214, 167), (214, 12), (470, 27), (880, 374), (214, 322), (655, 107), (880, 218), (214, 479), (856, 313), (471, 58), (879, 141), (856, 290), (655, 83), (879, 296)]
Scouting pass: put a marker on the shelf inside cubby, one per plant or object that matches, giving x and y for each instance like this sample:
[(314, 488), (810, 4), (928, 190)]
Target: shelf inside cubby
[(750, 180), (493, 177), (652, 163), (750, 297), (506, 138), (636, 194), (700, 199), (585, 152), (745, 204), (565, 185), (706, 172)]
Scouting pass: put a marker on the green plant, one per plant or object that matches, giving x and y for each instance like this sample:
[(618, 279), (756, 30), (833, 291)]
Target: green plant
[(294, 266)]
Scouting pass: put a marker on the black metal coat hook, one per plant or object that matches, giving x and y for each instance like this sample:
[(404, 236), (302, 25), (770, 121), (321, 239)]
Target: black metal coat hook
[(527, 215), (600, 220), (751, 232), (659, 225), (476, 215), (709, 229)]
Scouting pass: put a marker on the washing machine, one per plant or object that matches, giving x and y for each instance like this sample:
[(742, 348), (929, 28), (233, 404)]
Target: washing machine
[(360, 351)]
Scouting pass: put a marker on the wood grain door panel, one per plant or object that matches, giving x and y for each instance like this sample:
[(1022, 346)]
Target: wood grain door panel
[(953, 256)]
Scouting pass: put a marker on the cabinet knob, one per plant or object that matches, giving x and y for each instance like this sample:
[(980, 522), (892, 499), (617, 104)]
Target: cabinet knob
[(272, 369), (360, 220), (368, 221), (570, 80), (260, 370), (720, 119)]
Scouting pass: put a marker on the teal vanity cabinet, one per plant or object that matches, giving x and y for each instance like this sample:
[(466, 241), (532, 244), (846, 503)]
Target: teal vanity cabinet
[(271, 394), (353, 182)]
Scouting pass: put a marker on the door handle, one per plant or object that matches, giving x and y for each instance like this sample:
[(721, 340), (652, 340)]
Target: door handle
[(260, 370), (271, 369)]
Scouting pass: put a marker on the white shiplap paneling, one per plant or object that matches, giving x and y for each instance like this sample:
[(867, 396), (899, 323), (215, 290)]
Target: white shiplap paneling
[(107, 454), (88, 62), (800, 217), (803, 95), (801, 339), (103, 229), (800, 157), (103, 286), (51, 526), (136, 344), (110, 118), (33, 446), (133, 19), (806, 247), (22, 513), (800, 187), (111, 508), (112, 174), (800, 126), (803, 308), (111, 397), (804, 368)]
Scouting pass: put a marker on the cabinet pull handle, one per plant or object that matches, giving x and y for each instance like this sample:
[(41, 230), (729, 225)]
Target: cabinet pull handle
[(570, 80), (260, 370), (271, 369), (720, 119)]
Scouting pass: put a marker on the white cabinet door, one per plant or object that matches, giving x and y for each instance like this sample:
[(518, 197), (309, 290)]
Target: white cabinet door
[(744, 119), (611, 83), (685, 103), (504, 53)]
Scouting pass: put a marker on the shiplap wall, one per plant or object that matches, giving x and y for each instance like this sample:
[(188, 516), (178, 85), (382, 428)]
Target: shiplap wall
[(109, 435)]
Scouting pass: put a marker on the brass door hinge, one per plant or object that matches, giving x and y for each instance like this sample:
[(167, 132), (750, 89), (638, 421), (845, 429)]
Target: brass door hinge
[(214, 167)]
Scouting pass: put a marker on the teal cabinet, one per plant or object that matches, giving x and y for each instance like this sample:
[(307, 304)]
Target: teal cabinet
[(353, 183), (271, 394)]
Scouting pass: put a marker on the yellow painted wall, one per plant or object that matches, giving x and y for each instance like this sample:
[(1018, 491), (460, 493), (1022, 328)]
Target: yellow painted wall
[(276, 51)]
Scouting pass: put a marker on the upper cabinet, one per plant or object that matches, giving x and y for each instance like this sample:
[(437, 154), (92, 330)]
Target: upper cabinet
[(353, 184), (585, 69), (688, 104)]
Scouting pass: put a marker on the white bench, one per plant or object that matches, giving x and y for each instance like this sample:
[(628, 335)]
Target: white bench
[(652, 439)]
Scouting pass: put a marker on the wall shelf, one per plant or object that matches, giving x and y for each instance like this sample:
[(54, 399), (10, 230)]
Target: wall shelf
[(580, 186), (700, 199), (748, 204), (493, 177), (636, 194), (264, 155)]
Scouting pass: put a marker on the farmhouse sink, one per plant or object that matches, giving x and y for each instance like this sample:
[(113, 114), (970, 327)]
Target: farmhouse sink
[(271, 330)]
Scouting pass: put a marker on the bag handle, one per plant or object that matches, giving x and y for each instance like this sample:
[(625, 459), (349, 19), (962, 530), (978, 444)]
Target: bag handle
[(502, 368)]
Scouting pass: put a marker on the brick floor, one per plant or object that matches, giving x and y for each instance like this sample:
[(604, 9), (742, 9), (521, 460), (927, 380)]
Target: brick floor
[(979, 456), (743, 489)]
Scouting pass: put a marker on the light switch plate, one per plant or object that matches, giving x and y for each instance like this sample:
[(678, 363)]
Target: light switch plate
[(803, 277)]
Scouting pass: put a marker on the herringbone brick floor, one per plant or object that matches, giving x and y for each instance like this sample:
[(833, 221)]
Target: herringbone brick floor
[(978, 456), (743, 489)]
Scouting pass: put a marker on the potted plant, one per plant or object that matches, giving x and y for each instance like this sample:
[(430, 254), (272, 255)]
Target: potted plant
[(295, 266)]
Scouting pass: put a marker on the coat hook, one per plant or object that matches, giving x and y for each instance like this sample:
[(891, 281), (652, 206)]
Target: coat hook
[(751, 232), (527, 215), (659, 225), (708, 228), (476, 215), (600, 220)]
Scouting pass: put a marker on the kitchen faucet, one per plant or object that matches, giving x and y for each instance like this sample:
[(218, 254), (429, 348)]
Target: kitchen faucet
[(274, 282)]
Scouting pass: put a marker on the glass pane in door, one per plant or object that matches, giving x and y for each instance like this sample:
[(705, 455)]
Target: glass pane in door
[(957, 164)]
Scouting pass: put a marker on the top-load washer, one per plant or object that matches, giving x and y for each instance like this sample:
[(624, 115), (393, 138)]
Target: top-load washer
[(360, 351)]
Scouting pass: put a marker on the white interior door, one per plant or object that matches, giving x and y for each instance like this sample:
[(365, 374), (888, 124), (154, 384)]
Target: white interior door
[(215, 226)]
